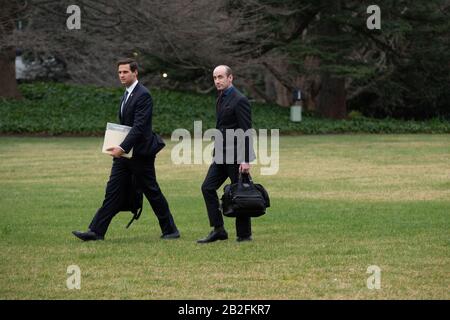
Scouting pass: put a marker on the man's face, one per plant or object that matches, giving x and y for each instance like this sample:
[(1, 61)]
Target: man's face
[(221, 80), (126, 76)]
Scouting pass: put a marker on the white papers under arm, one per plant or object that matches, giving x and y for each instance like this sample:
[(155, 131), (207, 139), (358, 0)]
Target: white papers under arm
[(114, 136)]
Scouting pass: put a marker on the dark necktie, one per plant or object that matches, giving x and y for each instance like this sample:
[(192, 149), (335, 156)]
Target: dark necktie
[(124, 99), (219, 101)]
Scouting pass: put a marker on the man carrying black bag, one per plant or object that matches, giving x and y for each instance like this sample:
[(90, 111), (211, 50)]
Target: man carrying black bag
[(232, 112)]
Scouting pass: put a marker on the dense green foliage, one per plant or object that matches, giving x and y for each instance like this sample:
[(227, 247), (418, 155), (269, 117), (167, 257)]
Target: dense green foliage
[(54, 109), (400, 70)]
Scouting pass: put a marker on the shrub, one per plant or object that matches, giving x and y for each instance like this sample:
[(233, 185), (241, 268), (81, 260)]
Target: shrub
[(55, 109)]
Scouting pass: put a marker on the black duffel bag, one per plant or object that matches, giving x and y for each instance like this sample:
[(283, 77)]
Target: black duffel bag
[(244, 198)]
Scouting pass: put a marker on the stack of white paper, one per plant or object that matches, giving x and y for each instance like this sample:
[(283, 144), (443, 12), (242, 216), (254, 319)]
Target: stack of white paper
[(114, 136)]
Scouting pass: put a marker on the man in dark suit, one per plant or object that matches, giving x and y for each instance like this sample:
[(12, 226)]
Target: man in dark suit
[(136, 112), (232, 112)]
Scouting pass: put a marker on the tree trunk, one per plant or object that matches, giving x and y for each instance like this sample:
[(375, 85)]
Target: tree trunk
[(8, 83), (277, 86), (332, 98)]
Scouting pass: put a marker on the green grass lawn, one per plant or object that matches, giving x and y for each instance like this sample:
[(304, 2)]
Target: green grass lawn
[(339, 205)]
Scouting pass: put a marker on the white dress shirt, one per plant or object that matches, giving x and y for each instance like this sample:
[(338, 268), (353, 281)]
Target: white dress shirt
[(129, 90)]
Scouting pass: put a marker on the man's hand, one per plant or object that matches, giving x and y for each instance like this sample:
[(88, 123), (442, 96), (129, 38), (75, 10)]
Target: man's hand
[(244, 167), (116, 152)]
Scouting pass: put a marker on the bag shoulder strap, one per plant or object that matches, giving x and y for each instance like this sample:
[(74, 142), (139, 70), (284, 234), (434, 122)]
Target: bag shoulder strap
[(136, 216)]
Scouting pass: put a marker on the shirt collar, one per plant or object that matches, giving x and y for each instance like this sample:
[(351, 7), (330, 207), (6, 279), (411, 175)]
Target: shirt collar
[(227, 91), (131, 88)]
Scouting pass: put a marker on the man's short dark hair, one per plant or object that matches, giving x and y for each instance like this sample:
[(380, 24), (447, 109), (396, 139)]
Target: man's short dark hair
[(133, 64)]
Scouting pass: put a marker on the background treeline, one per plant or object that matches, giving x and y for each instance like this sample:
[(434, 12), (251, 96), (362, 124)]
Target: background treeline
[(323, 48)]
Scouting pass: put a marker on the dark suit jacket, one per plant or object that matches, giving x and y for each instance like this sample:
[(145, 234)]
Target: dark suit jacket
[(234, 112), (137, 114)]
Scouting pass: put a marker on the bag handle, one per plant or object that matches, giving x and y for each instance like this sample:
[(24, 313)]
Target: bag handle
[(241, 179)]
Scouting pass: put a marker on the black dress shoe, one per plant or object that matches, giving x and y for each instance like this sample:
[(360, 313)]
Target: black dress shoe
[(214, 236), (241, 239), (88, 235), (173, 235)]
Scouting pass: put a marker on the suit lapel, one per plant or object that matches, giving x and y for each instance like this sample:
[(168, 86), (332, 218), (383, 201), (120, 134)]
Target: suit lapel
[(224, 103), (132, 94), (119, 113)]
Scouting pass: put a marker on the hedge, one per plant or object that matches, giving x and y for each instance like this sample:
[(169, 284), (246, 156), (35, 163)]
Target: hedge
[(56, 109)]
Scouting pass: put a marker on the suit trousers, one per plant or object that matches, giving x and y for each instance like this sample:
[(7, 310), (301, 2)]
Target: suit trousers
[(216, 176), (143, 168)]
